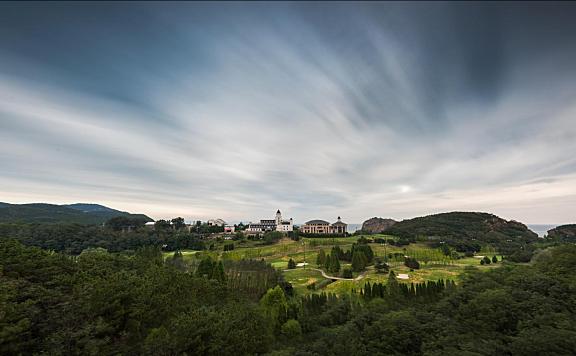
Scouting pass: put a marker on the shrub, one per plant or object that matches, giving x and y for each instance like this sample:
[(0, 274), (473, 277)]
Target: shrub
[(291, 264), (411, 263), (291, 328)]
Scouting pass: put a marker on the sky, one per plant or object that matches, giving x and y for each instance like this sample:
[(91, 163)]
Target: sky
[(234, 110)]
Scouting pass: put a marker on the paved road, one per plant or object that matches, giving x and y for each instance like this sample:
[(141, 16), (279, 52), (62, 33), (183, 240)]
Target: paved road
[(333, 277)]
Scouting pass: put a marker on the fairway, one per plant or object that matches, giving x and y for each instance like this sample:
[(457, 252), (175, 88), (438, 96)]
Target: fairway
[(434, 265)]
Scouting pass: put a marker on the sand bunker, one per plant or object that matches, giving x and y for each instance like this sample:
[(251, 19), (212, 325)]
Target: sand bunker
[(402, 276), (302, 264)]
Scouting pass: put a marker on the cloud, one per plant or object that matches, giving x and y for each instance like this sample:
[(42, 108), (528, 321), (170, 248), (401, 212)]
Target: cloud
[(320, 110)]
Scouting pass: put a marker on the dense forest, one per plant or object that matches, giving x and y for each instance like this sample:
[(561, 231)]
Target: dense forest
[(74, 238), (104, 303)]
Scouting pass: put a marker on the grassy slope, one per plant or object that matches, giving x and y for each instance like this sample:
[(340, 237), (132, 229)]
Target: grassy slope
[(434, 265)]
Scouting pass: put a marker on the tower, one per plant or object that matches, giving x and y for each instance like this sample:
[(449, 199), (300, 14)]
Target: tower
[(278, 218)]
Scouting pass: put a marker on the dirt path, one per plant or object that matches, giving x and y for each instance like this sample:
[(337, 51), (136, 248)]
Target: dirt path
[(333, 277)]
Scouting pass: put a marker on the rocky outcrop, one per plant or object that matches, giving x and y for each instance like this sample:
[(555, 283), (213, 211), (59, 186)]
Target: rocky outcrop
[(377, 225)]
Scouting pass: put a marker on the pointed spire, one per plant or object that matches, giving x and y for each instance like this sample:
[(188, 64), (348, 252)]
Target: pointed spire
[(278, 212)]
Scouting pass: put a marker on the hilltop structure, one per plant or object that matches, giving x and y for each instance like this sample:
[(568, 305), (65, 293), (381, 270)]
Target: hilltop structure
[(276, 224), (216, 222), (323, 227)]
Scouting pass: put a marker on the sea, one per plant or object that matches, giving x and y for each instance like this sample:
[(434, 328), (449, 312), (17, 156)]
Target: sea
[(354, 227), (540, 229)]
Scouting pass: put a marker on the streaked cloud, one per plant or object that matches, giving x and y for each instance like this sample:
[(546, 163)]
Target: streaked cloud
[(327, 109)]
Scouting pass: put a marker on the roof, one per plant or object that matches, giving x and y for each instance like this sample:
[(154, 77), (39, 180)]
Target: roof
[(278, 212), (317, 222), (339, 223)]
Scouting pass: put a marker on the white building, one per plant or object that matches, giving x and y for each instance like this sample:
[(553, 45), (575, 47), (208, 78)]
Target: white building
[(216, 222), (277, 224)]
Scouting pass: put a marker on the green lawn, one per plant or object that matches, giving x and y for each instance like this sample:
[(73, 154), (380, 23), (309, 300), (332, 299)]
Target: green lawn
[(433, 264), (300, 278)]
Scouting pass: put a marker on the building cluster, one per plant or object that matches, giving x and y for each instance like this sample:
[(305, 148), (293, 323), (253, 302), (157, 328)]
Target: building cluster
[(276, 224), (322, 227), (316, 227)]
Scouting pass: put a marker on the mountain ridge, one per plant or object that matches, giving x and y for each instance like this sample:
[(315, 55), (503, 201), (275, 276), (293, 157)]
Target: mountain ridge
[(79, 213)]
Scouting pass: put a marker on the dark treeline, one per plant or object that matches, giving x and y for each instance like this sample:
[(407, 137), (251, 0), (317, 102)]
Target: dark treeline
[(103, 303), (427, 291), (74, 238)]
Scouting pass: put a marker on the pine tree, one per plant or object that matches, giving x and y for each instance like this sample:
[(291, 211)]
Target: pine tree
[(494, 259), (328, 262), (321, 258), (291, 264), (218, 272), (205, 268), (367, 291), (358, 261), (393, 285), (334, 263)]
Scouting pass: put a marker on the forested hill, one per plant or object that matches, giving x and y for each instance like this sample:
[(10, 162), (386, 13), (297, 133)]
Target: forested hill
[(49, 213), (563, 232), (462, 226)]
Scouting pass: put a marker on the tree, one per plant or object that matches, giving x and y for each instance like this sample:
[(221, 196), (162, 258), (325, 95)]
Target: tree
[(275, 306), (119, 223), (411, 263), (381, 267), (334, 263), (321, 258), (347, 273), (218, 272), (358, 261), (272, 237), (291, 264), (162, 225), (393, 285), (494, 259), (327, 262), (291, 328), (177, 261), (482, 262), (487, 260), (178, 223), (205, 268)]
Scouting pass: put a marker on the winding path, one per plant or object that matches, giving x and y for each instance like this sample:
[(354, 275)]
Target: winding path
[(333, 277)]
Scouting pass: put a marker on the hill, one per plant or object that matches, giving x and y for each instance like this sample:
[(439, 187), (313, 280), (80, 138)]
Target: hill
[(463, 227), (90, 208), (377, 225), (89, 214), (563, 232)]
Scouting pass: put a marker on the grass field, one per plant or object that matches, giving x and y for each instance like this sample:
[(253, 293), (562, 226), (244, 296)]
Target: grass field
[(433, 264)]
